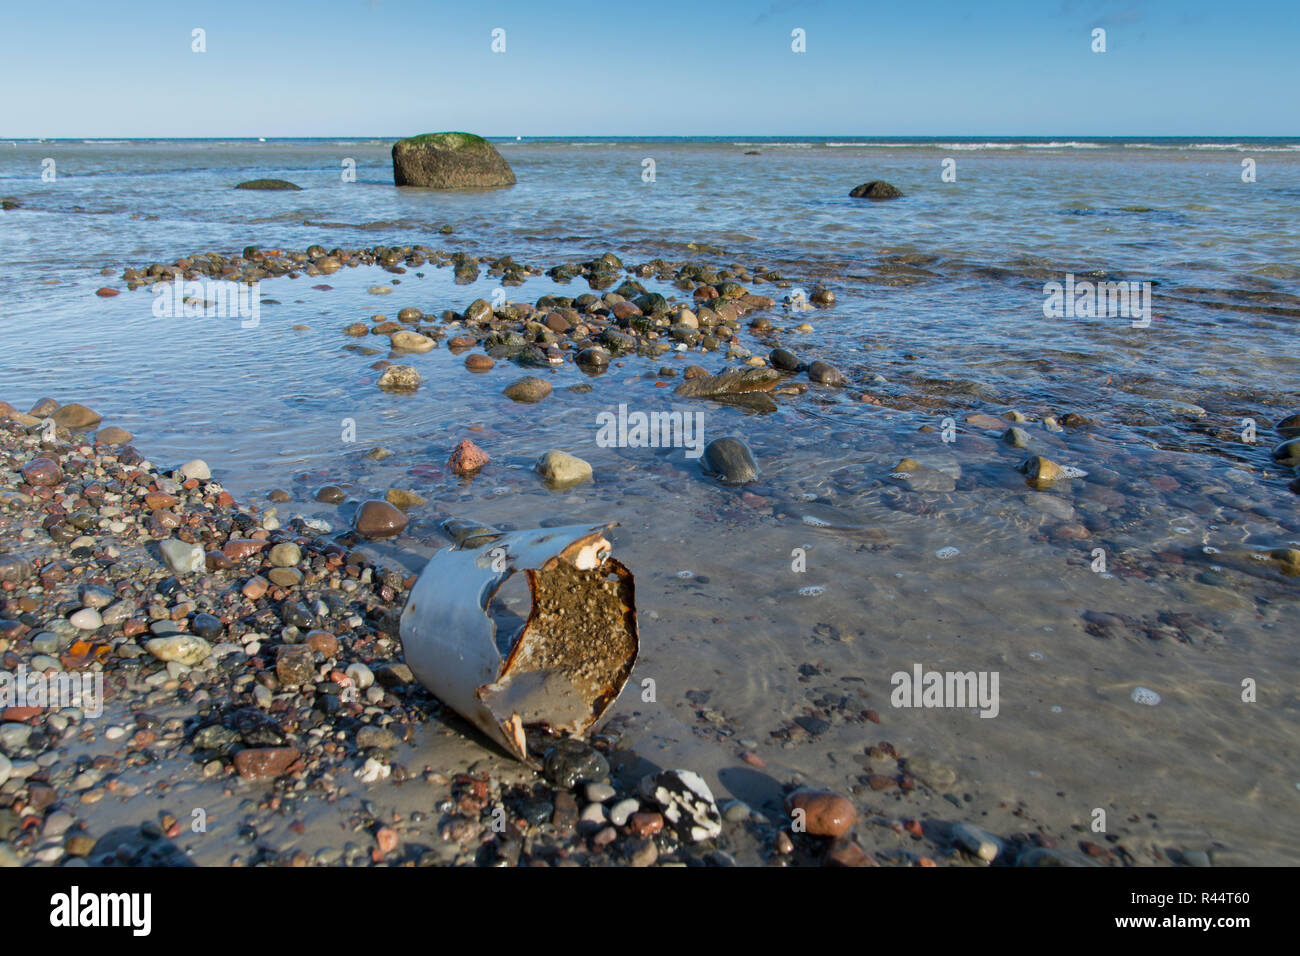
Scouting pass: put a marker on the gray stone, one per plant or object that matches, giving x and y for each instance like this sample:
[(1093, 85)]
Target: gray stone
[(181, 558)]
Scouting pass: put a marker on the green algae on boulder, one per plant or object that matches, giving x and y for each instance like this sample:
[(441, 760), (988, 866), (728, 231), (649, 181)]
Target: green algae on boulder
[(450, 161)]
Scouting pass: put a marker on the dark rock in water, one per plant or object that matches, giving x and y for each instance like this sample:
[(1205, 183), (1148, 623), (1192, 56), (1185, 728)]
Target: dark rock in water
[(618, 342), (731, 381), (730, 460), (293, 613), (651, 302), (571, 761), (450, 161), (593, 359), (750, 401), (1288, 453), (823, 298), (1075, 420), (9, 202), (294, 664), (1289, 427), (268, 184), (206, 626), (876, 189), (784, 360), (825, 374)]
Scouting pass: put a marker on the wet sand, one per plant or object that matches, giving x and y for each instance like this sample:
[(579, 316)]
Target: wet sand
[(767, 677)]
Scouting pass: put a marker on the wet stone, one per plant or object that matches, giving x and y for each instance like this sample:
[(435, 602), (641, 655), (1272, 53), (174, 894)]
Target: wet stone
[(571, 761), (730, 460)]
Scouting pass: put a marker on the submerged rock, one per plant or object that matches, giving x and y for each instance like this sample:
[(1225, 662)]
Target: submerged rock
[(1288, 453), (399, 378), (730, 460), (1042, 471), (467, 458), (528, 390), (784, 360), (450, 161), (1289, 427), (267, 184), (876, 189), (562, 470), (823, 373), (730, 382)]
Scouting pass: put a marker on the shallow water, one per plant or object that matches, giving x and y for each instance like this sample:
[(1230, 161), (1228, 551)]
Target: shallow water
[(940, 294)]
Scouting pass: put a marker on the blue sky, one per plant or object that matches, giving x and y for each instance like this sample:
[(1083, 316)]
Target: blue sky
[(662, 67)]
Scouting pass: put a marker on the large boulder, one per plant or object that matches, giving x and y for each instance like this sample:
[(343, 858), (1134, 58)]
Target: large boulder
[(450, 161), (876, 189)]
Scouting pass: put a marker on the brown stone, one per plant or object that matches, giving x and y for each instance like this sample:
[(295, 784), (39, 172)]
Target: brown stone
[(824, 814), (160, 499), (478, 362), (294, 664), (261, 763), (645, 824), (76, 417), (379, 519), (467, 459), (844, 852), (324, 643), (237, 549), (112, 435), (255, 587), (42, 472)]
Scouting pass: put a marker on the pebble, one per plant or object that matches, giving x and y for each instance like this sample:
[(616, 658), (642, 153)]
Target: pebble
[(598, 792), (360, 674), (977, 841), (561, 470), (197, 469), (1145, 696), (379, 519), (825, 813), (185, 648), (180, 557), (285, 555), (622, 811), (87, 619)]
